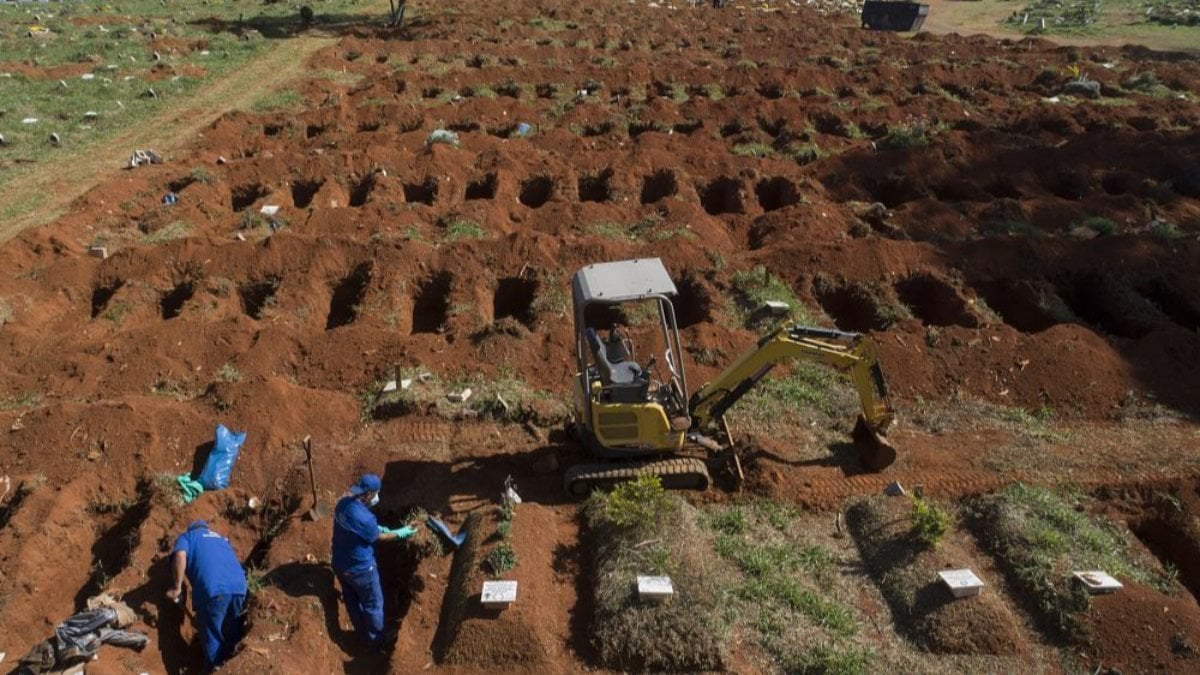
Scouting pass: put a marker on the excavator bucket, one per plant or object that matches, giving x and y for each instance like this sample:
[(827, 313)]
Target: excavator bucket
[(874, 450)]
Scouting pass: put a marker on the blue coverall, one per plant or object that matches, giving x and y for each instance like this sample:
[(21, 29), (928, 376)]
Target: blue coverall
[(355, 530), (218, 590)]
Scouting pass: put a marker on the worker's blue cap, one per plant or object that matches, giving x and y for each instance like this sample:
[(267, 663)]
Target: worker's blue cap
[(197, 525), (368, 483)]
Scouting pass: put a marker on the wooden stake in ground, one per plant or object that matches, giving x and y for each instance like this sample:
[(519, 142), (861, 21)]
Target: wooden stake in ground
[(318, 510)]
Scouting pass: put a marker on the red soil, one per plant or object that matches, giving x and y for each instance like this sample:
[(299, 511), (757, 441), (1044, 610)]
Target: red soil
[(114, 370)]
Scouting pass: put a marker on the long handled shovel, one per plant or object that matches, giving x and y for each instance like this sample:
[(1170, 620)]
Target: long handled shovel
[(318, 510)]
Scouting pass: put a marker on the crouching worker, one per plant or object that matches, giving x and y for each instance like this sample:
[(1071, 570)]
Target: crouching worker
[(218, 589), (355, 531)]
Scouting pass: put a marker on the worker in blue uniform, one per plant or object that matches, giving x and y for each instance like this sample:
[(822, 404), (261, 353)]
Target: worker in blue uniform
[(218, 584), (355, 531)]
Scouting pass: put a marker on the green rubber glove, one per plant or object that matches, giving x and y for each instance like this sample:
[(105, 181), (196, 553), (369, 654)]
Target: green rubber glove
[(405, 532)]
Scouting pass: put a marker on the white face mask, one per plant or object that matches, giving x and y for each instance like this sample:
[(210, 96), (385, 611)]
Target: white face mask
[(375, 499)]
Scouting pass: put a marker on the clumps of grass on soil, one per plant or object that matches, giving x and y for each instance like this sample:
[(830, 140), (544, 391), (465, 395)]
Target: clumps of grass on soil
[(640, 529), (751, 289), (807, 392), (504, 398), (892, 535), (780, 591), (1040, 536)]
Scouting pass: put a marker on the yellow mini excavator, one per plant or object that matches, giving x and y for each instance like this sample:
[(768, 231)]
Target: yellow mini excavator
[(636, 416)]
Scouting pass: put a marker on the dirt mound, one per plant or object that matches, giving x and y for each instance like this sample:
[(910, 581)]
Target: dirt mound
[(496, 643), (906, 571), (1141, 630)]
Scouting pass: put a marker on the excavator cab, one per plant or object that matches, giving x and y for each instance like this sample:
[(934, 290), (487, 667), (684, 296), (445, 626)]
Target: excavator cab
[(625, 407)]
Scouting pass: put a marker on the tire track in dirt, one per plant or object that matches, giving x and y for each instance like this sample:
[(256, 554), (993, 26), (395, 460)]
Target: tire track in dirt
[(827, 493)]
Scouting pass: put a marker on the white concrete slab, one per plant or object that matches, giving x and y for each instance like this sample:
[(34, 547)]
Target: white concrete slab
[(962, 583)]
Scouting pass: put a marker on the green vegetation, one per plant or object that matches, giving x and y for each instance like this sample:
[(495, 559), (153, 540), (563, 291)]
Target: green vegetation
[(635, 503), (909, 135), (648, 228), (229, 373), (23, 402), (641, 529), (457, 229), (1037, 424), (780, 590), (753, 288), (1097, 224), (930, 522), (502, 558), (1040, 536), (505, 398), (174, 230), (108, 68), (552, 24), (1165, 231), (284, 99), (753, 150), (117, 311), (791, 396)]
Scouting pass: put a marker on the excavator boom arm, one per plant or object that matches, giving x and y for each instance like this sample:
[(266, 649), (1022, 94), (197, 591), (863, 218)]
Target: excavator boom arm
[(848, 353)]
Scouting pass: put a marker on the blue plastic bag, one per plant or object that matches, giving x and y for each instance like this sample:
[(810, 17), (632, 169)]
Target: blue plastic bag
[(219, 466)]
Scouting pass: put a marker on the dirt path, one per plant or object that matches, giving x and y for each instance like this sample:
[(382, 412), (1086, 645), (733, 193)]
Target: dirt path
[(48, 189)]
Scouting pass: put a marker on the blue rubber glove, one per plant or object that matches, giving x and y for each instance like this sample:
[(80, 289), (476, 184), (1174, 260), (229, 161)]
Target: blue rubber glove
[(405, 532)]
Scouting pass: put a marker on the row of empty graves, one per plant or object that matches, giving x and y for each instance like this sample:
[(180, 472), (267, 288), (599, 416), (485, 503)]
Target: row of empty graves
[(720, 195), (429, 302)]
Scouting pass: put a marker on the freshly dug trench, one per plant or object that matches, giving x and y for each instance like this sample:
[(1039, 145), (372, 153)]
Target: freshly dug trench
[(936, 302), (459, 588), (906, 572)]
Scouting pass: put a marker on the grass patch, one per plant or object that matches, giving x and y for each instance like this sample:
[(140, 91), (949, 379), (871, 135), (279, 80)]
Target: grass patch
[(176, 229), (1041, 535), (1036, 424), (229, 373), (24, 402), (780, 591), (754, 287), (753, 150), (1097, 224), (460, 228), (640, 529), (117, 311), (284, 99), (505, 398)]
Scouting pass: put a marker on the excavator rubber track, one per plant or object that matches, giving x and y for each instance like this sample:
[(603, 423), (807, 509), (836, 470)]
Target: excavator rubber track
[(678, 473)]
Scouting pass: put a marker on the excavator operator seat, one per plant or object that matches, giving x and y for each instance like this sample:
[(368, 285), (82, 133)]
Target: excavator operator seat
[(622, 382), (615, 346)]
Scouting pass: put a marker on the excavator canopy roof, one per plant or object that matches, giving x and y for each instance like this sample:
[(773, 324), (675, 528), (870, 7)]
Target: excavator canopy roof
[(620, 281)]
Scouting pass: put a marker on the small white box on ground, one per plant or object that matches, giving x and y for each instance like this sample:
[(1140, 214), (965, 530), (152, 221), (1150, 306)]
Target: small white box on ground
[(406, 383), (962, 583), (655, 589), (389, 386), (1097, 582), (776, 307), (100, 252), (498, 594), (269, 209), (459, 396)]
